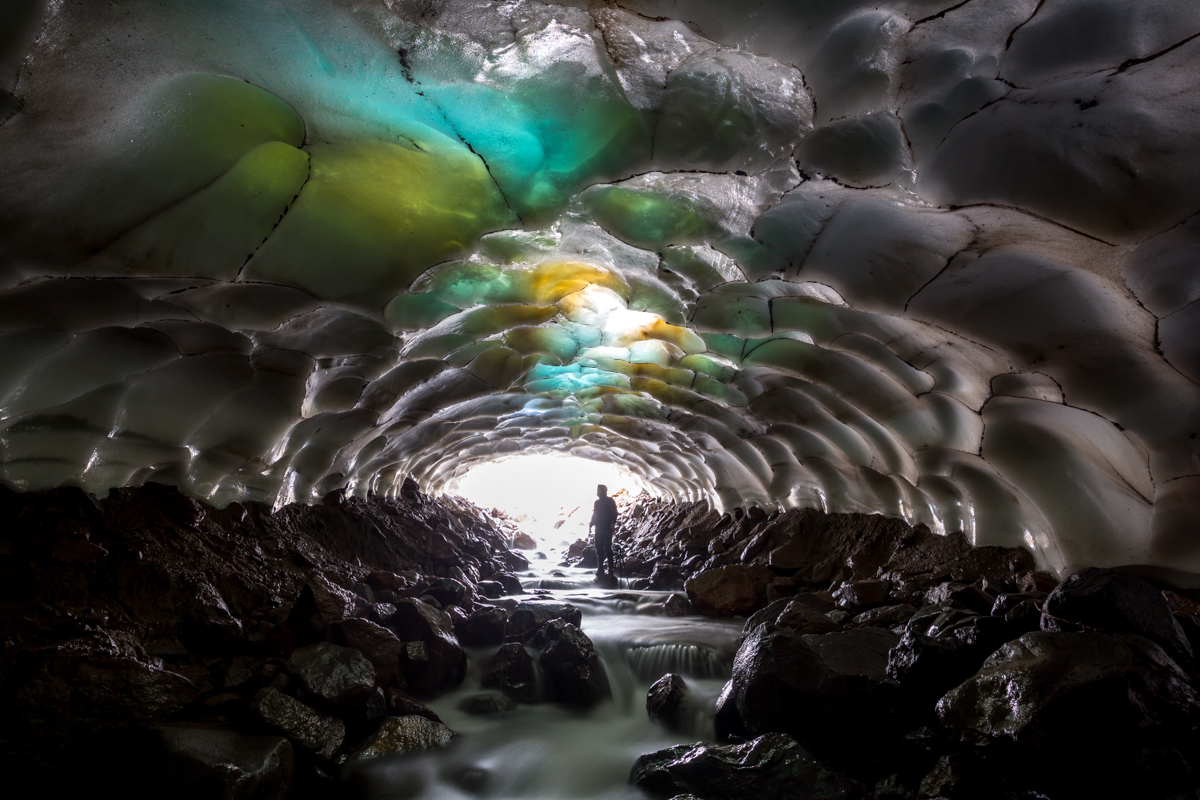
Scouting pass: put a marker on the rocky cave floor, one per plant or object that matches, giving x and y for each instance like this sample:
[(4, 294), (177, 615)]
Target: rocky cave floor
[(165, 648)]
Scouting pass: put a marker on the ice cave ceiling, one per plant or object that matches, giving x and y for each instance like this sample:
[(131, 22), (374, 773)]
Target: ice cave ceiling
[(938, 259)]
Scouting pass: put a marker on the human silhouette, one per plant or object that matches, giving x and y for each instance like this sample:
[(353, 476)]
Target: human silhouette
[(604, 516)]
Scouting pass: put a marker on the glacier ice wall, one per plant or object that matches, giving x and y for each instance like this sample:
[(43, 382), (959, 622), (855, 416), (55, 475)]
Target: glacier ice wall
[(937, 259)]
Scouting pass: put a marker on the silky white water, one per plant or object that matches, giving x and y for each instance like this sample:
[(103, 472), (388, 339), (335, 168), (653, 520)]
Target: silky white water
[(550, 752)]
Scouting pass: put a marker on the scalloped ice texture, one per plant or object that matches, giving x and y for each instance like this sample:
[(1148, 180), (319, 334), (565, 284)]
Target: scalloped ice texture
[(934, 259)]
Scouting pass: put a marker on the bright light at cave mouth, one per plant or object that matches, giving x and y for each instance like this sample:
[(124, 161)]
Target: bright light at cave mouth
[(540, 490)]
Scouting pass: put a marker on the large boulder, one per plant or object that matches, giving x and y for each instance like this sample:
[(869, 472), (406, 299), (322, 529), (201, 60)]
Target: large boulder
[(400, 735), (1118, 602), (930, 665), (826, 689), (202, 763), (793, 615), (381, 647), (485, 627), (665, 701), (433, 659), (572, 667), (1064, 693), (523, 541), (528, 618), (318, 733), (334, 675), (320, 604), (771, 766), (732, 591), (513, 672)]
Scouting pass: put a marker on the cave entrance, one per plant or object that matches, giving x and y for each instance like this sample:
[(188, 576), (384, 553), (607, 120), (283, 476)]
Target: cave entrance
[(541, 491)]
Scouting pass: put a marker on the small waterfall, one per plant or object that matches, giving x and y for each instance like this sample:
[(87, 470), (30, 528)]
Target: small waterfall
[(650, 662)]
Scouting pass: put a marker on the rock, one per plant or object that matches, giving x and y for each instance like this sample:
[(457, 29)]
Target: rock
[(956, 776), (379, 613), (1180, 604), (793, 615), (523, 541), (573, 670), (217, 764), (1007, 601), (822, 689), (727, 722), (399, 735), (529, 617), (666, 577), (587, 559), (512, 671), (605, 580), (484, 628), (510, 582), (439, 664), (820, 601), (448, 592), (381, 647), (929, 666), (333, 674), (966, 595), (401, 704), (490, 589), (885, 616), (1060, 694), (771, 766), (664, 701), (1115, 601), (858, 596), (318, 733), (729, 591), (320, 604), (1033, 581), (73, 688), (487, 703)]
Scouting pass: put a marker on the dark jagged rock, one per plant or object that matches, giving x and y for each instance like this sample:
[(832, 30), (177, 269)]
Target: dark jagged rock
[(400, 735), (402, 704), (573, 670), (318, 733), (381, 647), (966, 595), (792, 615), (321, 603), (857, 596), (1062, 693), (529, 617), (203, 763), (448, 592), (731, 591), (886, 616), (523, 541), (1111, 600), (774, 765), (513, 672), (486, 703), (510, 582), (438, 662), (485, 627), (727, 721), (929, 666), (665, 701), (334, 675), (822, 689)]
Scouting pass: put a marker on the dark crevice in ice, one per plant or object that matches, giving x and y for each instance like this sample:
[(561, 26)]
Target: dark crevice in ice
[(275, 227), (1133, 62), (1008, 42), (940, 14)]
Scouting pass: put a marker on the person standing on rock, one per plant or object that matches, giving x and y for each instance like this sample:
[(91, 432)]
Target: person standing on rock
[(604, 516)]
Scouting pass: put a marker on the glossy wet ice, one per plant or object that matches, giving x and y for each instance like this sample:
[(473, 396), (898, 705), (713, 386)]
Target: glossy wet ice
[(549, 752)]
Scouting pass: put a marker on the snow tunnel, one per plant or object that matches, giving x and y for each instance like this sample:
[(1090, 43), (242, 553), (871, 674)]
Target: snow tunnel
[(933, 260)]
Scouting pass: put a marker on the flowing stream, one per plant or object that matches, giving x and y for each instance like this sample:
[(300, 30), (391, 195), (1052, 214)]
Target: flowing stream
[(550, 752)]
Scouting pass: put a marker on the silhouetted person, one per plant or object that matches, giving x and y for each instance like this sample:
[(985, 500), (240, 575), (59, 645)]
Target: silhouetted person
[(604, 516)]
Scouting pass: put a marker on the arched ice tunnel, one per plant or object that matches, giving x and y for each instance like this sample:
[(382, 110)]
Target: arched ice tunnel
[(931, 259)]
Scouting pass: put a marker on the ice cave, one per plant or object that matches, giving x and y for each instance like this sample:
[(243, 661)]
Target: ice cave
[(883, 317)]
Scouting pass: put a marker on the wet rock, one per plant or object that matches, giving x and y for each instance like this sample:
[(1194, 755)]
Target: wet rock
[(928, 666), (321, 603), (529, 617), (955, 776), (968, 596), (793, 615), (334, 675), (400, 735), (486, 627), (1065, 693), (380, 646), (885, 616), (822, 689), (513, 672), (666, 577), (510, 582), (774, 765), (448, 592), (318, 733), (587, 559), (1181, 605), (1007, 601), (1033, 581), (665, 700), (216, 764), (573, 670), (379, 613), (439, 663), (727, 722), (731, 591), (606, 580), (490, 589), (73, 688), (523, 541), (858, 596), (1115, 601), (402, 704), (486, 703)]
